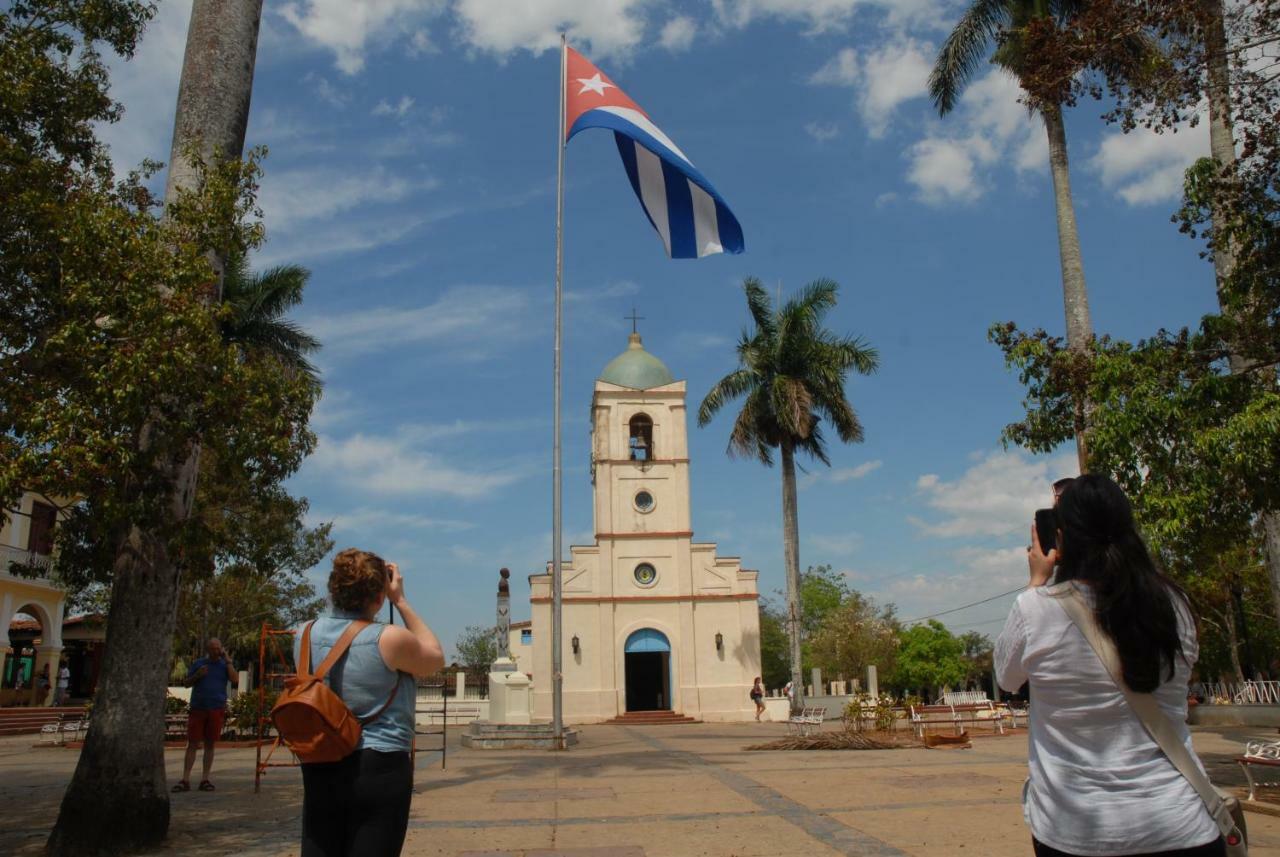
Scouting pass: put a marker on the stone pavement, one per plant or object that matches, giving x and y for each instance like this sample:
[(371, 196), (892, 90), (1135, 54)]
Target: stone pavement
[(669, 791)]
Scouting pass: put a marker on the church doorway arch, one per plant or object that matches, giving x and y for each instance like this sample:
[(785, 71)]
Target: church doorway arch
[(647, 666)]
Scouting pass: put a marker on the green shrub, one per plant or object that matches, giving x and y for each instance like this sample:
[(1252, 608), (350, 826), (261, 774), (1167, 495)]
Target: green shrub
[(242, 712), (175, 705)]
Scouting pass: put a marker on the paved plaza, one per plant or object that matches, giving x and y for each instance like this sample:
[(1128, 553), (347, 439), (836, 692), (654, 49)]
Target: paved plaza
[(672, 791)]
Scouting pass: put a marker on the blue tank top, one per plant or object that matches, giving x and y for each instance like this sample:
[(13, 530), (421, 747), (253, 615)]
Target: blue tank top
[(364, 681)]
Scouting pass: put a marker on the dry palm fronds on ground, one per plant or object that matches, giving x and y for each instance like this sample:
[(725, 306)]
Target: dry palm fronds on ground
[(837, 741)]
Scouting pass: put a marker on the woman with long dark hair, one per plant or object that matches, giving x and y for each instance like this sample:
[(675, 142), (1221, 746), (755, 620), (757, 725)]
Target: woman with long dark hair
[(1099, 784)]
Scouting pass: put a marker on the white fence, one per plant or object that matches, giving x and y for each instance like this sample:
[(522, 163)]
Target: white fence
[(963, 697), (11, 555), (1235, 693)]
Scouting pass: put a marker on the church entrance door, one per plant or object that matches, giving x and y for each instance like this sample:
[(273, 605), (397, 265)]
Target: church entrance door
[(648, 671)]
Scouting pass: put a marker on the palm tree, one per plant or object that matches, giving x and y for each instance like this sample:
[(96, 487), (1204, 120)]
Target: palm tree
[(257, 322), (790, 376), (1003, 24)]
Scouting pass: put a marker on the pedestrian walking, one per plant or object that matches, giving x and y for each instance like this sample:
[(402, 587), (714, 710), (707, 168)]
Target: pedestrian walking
[(757, 696)]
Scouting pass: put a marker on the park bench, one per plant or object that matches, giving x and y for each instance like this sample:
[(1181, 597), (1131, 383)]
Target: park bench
[(175, 727), (1013, 713), (67, 725), (924, 716), (1261, 754), (806, 722)]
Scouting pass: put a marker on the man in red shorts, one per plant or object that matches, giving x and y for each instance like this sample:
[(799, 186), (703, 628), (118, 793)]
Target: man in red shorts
[(208, 678)]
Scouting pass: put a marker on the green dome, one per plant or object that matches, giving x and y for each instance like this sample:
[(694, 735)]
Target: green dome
[(637, 368)]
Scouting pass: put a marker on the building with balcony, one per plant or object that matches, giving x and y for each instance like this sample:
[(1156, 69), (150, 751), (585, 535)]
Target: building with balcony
[(30, 603)]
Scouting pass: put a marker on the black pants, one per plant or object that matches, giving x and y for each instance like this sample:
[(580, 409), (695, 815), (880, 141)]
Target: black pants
[(358, 807), (1216, 848)]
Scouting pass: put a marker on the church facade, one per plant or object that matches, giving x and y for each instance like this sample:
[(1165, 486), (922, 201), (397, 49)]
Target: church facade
[(652, 620)]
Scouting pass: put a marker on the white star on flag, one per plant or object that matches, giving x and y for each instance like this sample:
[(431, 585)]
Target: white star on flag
[(594, 84)]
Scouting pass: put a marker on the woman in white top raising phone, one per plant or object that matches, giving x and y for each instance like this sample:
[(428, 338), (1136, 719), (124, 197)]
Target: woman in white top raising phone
[(1099, 784)]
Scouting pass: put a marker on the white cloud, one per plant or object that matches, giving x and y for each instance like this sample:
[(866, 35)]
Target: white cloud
[(399, 110), (348, 27), (326, 91), (605, 27), (471, 320), (1143, 167), (834, 545), (823, 15), (943, 171), (843, 69), (991, 128), (822, 132), (420, 43), (147, 86), (370, 519), (290, 198), (839, 475), (677, 34), (997, 496), (392, 466)]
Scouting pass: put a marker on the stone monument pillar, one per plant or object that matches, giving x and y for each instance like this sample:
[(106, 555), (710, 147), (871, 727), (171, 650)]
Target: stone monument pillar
[(509, 690)]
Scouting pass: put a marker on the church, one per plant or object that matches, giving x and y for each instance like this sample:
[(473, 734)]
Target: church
[(652, 620)]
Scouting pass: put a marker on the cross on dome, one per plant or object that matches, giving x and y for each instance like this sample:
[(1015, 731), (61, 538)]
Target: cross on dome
[(594, 84)]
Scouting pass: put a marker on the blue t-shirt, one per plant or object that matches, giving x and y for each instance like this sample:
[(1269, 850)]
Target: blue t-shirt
[(209, 693)]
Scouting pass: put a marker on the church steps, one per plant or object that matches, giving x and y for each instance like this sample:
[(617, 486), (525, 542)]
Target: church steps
[(650, 718)]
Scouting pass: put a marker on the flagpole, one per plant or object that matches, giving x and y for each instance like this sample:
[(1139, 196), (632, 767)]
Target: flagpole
[(557, 654)]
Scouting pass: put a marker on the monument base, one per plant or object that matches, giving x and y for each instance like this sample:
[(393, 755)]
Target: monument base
[(488, 735)]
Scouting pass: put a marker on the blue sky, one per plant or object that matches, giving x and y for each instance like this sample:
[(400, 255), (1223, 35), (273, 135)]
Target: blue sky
[(412, 169)]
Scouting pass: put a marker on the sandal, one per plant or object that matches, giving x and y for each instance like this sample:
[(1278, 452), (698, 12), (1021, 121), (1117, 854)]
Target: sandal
[(181, 786), (205, 786)]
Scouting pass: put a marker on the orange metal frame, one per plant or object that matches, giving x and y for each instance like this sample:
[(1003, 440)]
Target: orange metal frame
[(278, 672)]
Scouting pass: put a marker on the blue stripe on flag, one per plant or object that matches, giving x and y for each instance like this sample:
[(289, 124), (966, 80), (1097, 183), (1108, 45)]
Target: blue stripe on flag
[(684, 239), (731, 238), (627, 150)]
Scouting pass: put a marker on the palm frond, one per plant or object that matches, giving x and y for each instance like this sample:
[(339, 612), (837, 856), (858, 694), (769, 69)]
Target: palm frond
[(760, 307), (751, 436), (964, 49), (731, 386)]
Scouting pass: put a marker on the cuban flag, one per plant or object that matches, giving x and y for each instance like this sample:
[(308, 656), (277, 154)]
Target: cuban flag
[(691, 218)]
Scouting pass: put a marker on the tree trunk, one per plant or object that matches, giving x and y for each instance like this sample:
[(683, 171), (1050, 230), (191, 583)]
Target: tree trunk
[(118, 800), (791, 561), (1233, 641), (1222, 148), (1075, 295)]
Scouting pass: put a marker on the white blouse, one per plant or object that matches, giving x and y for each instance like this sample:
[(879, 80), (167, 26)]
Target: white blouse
[(1099, 784)]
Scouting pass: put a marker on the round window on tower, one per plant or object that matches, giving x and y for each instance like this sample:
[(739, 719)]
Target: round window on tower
[(644, 501), (646, 574)]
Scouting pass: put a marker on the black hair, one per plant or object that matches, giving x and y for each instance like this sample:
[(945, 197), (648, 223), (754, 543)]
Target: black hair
[(1134, 601)]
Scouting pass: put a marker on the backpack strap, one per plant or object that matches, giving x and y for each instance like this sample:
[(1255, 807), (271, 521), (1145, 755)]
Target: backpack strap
[(390, 699), (339, 648), (304, 651)]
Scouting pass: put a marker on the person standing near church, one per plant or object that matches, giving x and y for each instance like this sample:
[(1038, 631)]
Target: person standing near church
[(208, 677), (757, 696)]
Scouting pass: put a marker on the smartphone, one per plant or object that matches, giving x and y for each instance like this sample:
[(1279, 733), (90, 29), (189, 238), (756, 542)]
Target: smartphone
[(1047, 528)]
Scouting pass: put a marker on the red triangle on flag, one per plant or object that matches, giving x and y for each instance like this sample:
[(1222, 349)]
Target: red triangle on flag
[(586, 88)]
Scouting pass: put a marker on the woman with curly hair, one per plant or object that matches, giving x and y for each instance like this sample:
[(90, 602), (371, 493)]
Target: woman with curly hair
[(359, 806)]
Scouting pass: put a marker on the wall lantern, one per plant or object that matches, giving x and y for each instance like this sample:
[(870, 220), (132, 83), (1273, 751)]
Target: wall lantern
[(577, 645), (719, 642)]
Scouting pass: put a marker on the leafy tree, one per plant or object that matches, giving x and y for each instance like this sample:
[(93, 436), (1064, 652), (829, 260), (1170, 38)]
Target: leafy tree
[(477, 648), (977, 651), (929, 657), (233, 603), (856, 634), (791, 375), (113, 372), (774, 664), (822, 591)]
